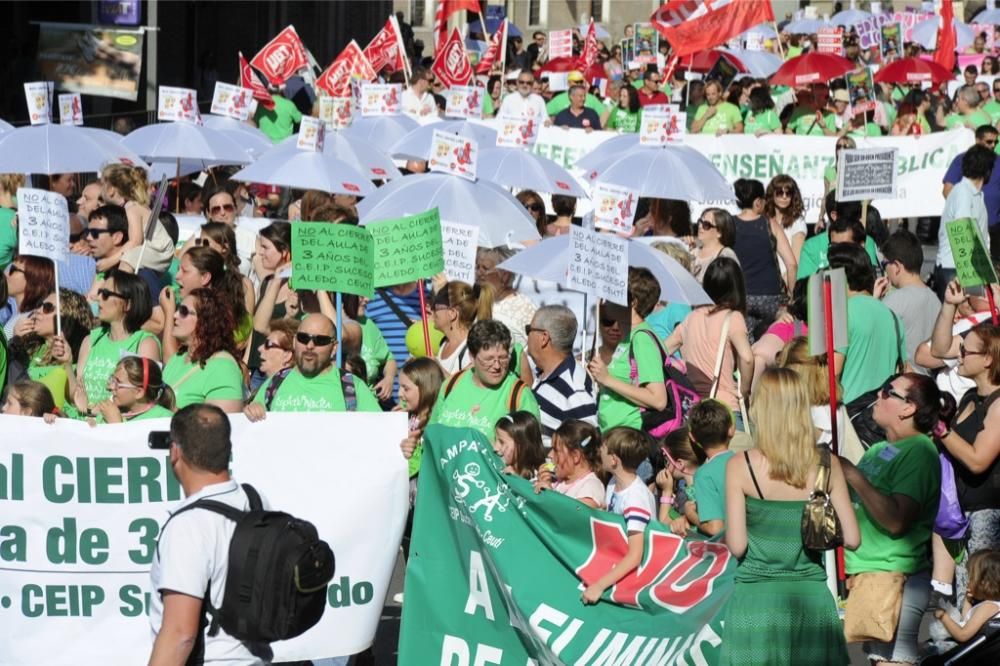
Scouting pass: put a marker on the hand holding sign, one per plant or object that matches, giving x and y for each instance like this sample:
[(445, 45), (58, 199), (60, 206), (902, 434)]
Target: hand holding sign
[(972, 262)]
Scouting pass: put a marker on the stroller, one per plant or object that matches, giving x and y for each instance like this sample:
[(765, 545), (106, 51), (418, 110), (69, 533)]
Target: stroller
[(983, 649)]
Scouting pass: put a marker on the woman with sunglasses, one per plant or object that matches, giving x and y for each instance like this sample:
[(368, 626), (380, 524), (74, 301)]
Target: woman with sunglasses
[(204, 368), (761, 118), (136, 392), (716, 237), (29, 280), (896, 488), (536, 208), (456, 307), (783, 205), (274, 261), (276, 351)]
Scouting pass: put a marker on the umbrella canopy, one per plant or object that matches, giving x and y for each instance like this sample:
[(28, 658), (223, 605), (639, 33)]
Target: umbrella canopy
[(758, 64), (249, 137), (805, 26), (417, 144), (764, 30), (692, 177), (549, 260), (5, 126), (812, 67), (913, 70), (925, 34), (306, 170), (849, 17), (500, 217), (599, 31), (364, 159), (186, 141), (704, 61), (49, 149), (513, 167), (989, 17), (608, 150), (381, 131)]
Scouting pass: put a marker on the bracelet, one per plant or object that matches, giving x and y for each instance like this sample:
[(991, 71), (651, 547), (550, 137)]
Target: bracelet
[(666, 499)]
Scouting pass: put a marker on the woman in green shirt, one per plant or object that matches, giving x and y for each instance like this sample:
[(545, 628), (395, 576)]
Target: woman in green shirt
[(626, 116), (762, 118), (137, 392)]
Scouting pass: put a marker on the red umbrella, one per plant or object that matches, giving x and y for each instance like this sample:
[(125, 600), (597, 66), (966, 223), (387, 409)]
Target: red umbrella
[(913, 70), (704, 61), (812, 67), (564, 64)]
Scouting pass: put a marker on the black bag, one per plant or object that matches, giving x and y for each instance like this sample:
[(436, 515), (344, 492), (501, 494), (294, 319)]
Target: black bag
[(277, 576)]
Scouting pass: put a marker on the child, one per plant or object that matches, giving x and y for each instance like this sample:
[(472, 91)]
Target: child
[(576, 456), (622, 451), (676, 480), (137, 393), (28, 398), (984, 588), (419, 385), (711, 426), (519, 442)]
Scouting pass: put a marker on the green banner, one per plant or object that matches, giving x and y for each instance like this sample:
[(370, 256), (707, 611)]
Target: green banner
[(407, 249), (495, 571), (332, 257), (972, 261)]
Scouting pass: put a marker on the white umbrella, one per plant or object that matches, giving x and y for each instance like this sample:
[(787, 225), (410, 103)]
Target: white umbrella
[(49, 149), (416, 145), (759, 64), (764, 30), (360, 156), (249, 137), (925, 34), (382, 131), (989, 16), (549, 261), (805, 26), (500, 217), (599, 31), (186, 141), (513, 167), (306, 170), (5, 126), (849, 17), (613, 147), (668, 172)]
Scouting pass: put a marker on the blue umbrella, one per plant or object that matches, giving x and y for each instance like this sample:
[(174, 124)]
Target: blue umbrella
[(493, 24)]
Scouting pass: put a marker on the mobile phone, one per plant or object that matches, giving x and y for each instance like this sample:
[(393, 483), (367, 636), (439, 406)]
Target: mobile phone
[(159, 439)]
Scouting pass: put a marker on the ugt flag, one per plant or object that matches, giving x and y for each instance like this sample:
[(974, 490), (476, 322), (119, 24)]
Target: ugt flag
[(695, 25), (281, 57)]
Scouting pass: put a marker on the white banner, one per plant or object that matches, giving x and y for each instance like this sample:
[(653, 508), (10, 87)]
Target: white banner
[(82, 507)]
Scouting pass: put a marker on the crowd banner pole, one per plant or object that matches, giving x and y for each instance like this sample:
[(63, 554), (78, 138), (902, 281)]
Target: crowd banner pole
[(597, 326), (831, 371), (583, 332), (777, 38), (423, 318), (340, 330), (864, 214), (482, 22), (55, 268), (993, 304), (177, 189)]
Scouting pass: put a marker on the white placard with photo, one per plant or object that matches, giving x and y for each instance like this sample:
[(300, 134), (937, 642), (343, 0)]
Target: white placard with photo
[(464, 102), (312, 132), (614, 207), (177, 104), (231, 101), (454, 154), (70, 109), (517, 131), (380, 99)]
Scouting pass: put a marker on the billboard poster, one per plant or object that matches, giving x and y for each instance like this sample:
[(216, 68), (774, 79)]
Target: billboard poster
[(90, 59)]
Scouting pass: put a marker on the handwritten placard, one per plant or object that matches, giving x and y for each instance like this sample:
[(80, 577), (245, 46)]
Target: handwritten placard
[(662, 125), (380, 99), (177, 104), (454, 154), (866, 173), (598, 264), (336, 112), (42, 224), (830, 40), (516, 131), (460, 244), (464, 102), (408, 248), (312, 132), (972, 260), (332, 257), (70, 109), (614, 207), (39, 101), (231, 101)]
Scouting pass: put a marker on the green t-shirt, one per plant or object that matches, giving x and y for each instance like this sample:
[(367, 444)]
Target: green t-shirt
[(710, 481), (220, 379), (614, 410), (488, 107), (154, 412), (278, 123), (872, 345), (624, 120), (374, 350), (470, 405), (561, 102), (322, 393), (869, 129), (974, 120), (693, 111), (813, 254), (8, 237), (103, 358), (766, 120), (992, 109), (908, 467), (727, 116), (803, 122)]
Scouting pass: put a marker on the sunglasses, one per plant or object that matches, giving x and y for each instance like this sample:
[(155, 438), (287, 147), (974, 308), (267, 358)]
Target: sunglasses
[(707, 225), (14, 269), (607, 323), (889, 392), (524, 83), (535, 207), (843, 146), (105, 294), (94, 234), (783, 191), (318, 340), (528, 329), (47, 308), (75, 238), (202, 242), (271, 344), (963, 352), (184, 312), (229, 208)]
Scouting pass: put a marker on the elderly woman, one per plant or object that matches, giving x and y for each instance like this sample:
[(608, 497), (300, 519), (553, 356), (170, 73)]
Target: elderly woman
[(510, 307)]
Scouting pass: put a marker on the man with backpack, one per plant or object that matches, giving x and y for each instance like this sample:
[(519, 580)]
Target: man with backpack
[(315, 384)]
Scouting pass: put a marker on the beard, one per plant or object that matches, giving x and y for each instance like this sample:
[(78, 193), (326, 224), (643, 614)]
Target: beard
[(311, 364)]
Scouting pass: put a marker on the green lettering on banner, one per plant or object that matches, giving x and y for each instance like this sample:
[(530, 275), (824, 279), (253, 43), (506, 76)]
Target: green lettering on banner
[(407, 249), (972, 261), (332, 257)]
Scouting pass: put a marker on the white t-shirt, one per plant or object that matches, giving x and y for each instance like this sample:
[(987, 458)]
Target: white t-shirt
[(418, 107), (586, 487), (948, 378), (797, 227), (635, 503), (459, 359), (532, 106), (192, 553)]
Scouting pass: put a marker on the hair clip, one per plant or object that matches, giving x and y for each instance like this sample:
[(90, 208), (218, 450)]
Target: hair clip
[(583, 444)]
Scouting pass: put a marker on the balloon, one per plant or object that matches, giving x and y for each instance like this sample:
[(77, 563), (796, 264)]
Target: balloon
[(415, 340)]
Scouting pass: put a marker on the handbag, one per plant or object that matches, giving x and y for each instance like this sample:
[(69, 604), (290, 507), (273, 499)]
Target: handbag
[(950, 522), (873, 606), (820, 525)]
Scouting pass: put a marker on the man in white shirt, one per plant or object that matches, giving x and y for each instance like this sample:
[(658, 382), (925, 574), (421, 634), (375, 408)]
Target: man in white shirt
[(964, 201), (525, 103), (417, 100)]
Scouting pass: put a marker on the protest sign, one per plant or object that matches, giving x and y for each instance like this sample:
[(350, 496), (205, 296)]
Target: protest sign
[(560, 44), (972, 260), (454, 154), (311, 135), (464, 102), (830, 40), (515, 130), (177, 104), (866, 173), (892, 34), (380, 99), (816, 304), (598, 264), (39, 102), (332, 257), (471, 597), (81, 527), (460, 244), (647, 42), (408, 248), (614, 207), (231, 101), (91, 59), (42, 224), (662, 126), (860, 85), (754, 41), (336, 112), (70, 109)]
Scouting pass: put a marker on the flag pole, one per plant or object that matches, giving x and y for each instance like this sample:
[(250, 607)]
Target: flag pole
[(482, 21), (55, 268), (777, 38), (505, 26)]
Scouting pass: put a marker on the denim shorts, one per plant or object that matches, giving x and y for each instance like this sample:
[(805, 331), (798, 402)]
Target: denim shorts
[(904, 647)]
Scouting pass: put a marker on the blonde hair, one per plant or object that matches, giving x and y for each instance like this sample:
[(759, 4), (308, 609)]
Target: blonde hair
[(812, 369), (675, 252), (130, 182), (473, 302), (9, 182), (785, 434)]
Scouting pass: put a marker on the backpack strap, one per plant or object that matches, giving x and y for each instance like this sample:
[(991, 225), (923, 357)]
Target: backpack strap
[(515, 396), (272, 388), (633, 368), (723, 343), (253, 497), (396, 310), (452, 381), (350, 390)]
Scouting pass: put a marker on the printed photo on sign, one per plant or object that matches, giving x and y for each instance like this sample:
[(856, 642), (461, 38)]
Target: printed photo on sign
[(460, 244), (231, 101), (36, 94), (560, 43), (177, 104), (515, 130), (380, 99), (454, 154), (336, 112), (70, 109), (42, 224), (464, 102), (91, 59), (647, 41), (614, 207), (598, 265), (866, 173), (311, 134), (659, 128)]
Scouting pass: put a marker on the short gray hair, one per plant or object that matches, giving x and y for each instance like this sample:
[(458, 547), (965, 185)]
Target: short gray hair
[(560, 323), (970, 95)]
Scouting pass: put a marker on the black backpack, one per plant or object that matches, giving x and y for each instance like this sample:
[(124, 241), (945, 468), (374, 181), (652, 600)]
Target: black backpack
[(277, 576)]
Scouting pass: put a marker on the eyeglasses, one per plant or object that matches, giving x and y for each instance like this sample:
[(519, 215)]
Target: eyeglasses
[(318, 340), (75, 238), (843, 146), (528, 328), (963, 352), (229, 208), (14, 269), (990, 143), (535, 207), (783, 191), (114, 384), (105, 294), (202, 242), (490, 362), (47, 308), (94, 234), (707, 225), (184, 312), (524, 83), (889, 392), (271, 344)]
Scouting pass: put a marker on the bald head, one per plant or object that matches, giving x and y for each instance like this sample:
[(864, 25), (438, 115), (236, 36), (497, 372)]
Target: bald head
[(315, 345), (317, 324)]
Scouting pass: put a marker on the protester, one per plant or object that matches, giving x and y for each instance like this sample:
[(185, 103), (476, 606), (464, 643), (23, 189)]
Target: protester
[(275, 352), (650, 93), (126, 186), (136, 392), (510, 307), (844, 227), (987, 137), (626, 115), (578, 115), (417, 100), (982, 603), (783, 204), (711, 427), (912, 301), (518, 442), (666, 218), (716, 238), (28, 398), (29, 280), (9, 182), (457, 306), (525, 104), (716, 116), (762, 118), (576, 459), (419, 385), (535, 206)]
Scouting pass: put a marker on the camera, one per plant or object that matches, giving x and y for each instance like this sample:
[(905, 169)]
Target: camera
[(159, 439)]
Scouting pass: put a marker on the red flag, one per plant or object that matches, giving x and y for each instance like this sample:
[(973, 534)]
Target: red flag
[(590, 48), (281, 57), (946, 39), (386, 48), (250, 79), (695, 25), (451, 65), (445, 9), (350, 65), (495, 51)]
